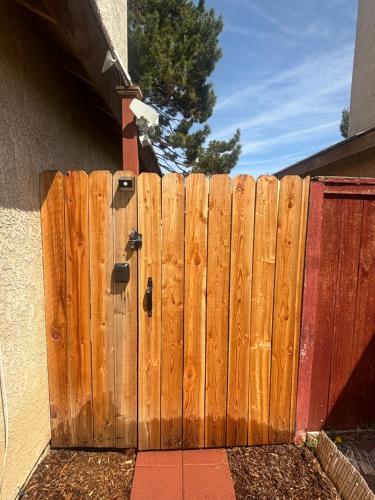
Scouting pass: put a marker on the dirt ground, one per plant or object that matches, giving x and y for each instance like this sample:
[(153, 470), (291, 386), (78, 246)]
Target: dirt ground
[(72, 475), (278, 472)]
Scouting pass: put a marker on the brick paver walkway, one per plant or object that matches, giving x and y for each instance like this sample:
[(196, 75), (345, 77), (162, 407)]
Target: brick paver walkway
[(187, 475)]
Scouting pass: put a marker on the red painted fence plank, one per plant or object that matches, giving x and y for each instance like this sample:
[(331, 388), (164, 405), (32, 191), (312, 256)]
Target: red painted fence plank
[(345, 309), (311, 289), (331, 227), (361, 385)]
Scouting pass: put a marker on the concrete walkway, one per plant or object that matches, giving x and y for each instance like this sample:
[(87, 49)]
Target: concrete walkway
[(177, 475)]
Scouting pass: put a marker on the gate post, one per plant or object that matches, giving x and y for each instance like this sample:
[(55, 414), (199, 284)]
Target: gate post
[(309, 306), (130, 157)]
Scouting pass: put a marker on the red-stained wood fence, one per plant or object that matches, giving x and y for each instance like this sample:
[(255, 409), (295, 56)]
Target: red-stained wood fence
[(216, 362), (337, 368)]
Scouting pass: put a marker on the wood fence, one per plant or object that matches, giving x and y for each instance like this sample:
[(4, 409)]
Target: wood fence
[(337, 375), (216, 362)]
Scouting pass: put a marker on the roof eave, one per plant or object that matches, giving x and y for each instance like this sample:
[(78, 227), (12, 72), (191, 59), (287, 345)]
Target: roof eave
[(344, 149)]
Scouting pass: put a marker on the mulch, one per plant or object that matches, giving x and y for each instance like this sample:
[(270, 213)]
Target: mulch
[(82, 475), (279, 472)]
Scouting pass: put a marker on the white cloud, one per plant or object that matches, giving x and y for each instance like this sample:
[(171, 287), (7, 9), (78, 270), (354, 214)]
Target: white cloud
[(263, 35), (275, 163), (311, 30), (315, 71), (263, 144), (297, 97)]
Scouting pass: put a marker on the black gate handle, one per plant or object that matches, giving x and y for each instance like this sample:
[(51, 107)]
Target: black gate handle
[(149, 297)]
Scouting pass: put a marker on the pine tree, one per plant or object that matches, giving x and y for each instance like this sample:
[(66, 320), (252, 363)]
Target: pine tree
[(344, 125), (173, 49)]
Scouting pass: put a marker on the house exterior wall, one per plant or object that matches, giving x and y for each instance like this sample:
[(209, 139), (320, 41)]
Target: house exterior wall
[(44, 124), (362, 105), (350, 168), (113, 15), (359, 165)]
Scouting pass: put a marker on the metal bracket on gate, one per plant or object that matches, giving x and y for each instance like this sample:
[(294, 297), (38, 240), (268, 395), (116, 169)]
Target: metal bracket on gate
[(135, 240)]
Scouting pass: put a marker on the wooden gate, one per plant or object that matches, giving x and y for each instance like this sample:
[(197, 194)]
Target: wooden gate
[(200, 347), (337, 374)]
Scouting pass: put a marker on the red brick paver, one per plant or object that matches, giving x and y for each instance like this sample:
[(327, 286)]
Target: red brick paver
[(187, 475)]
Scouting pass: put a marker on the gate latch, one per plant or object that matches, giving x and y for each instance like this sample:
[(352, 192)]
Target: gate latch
[(135, 240), (122, 272)]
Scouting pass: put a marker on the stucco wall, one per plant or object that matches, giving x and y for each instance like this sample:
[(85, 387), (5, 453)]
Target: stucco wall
[(114, 17), (362, 105), (44, 124), (349, 169)]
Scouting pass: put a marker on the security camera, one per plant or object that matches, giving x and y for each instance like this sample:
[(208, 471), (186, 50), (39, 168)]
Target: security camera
[(144, 112), (146, 119)]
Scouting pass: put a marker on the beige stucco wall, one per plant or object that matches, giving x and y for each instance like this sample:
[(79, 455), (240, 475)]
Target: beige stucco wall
[(362, 104), (359, 165), (350, 170), (44, 124), (113, 16)]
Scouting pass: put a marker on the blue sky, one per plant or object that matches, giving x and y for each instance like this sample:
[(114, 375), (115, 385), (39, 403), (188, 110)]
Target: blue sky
[(284, 77)]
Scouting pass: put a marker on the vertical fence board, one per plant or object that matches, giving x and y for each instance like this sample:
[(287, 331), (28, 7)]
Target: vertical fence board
[(283, 345), (195, 309), (330, 242), (78, 306), (240, 309), (218, 267), (149, 350), (125, 219), (173, 205), (298, 301), (262, 308), (310, 301), (364, 349), (345, 306), (53, 233), (102, 328)]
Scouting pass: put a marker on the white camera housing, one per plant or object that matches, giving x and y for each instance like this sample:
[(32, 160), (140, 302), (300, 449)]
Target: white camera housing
[(144, 112), (146, 119)]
